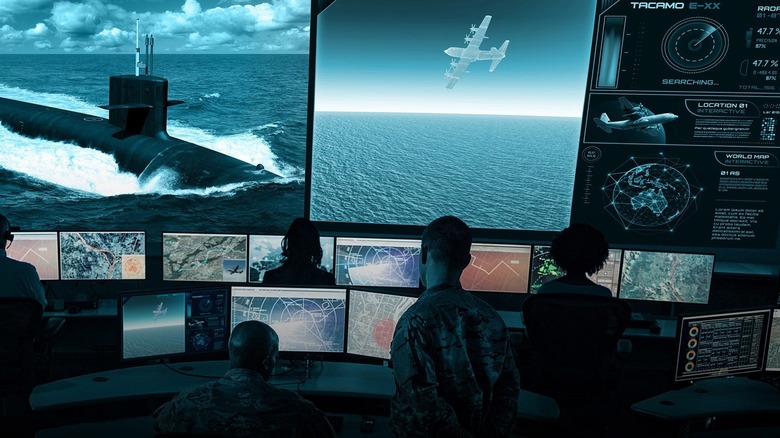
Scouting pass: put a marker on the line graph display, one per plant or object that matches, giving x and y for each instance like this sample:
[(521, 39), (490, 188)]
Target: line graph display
[(39, 249), (103, 255), (372, 320), (204, 257), (497, 268), (307, 320), (377, 262)]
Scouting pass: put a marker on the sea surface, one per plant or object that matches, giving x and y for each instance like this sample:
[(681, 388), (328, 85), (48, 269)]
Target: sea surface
[(498, 172), (251, 107)]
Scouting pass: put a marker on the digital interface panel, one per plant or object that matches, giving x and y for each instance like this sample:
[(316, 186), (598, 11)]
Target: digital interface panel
[(265, 253), (773, 343), (722, 344), (307, 320), (544, 269), (172, 323), (372, 320), (497, 268), (105, 255), (39, 249), (377, 262), (666, 276), (204, 257)]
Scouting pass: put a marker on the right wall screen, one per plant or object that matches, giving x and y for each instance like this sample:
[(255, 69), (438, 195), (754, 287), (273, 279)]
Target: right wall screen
[(679, 138)]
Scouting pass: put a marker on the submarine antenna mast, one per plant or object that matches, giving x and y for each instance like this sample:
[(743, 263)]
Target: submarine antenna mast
[(137, 50), (146, 67), (151, 57)]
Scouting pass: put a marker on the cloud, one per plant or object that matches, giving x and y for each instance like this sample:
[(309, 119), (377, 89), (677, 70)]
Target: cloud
[(43, 45), (10, 8), (39, 30), (86, 18), (112, 40), (191, 8), (11, 36)]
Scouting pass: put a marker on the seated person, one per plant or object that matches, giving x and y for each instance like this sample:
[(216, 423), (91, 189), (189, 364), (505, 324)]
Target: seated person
[(302, 255), (579, 250), (20, 279), (243, 403)]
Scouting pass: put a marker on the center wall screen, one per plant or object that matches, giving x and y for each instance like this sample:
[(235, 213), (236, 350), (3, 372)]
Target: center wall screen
[(423, 109)]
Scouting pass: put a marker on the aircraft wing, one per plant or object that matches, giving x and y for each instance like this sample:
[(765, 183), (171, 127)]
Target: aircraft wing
[(479, 34), (460, 69), (629, 109)]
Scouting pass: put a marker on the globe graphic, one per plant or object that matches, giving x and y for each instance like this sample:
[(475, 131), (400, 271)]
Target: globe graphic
[(650, 195)]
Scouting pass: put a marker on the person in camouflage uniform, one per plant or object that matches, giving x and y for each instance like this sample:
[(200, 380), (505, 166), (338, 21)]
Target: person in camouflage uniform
[(242, 403), (455, 374)]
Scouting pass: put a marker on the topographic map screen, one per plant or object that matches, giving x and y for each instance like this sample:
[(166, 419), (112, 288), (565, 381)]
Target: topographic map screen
[(171, 323), (544, 269), (372, 320), (718, 345), (204, 257), (110, 255), (666, 276), (38, 249), (497, 268), (308, 320), (377, 262), (773, 347), (265, 253)]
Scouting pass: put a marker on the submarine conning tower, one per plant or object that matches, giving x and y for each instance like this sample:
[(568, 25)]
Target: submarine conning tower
[(139, 105)]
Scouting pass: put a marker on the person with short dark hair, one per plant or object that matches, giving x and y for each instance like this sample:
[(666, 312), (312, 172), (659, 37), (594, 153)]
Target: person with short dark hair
[(579, 250), (243, 403), (454, 370), (20, 279), (301, 257)]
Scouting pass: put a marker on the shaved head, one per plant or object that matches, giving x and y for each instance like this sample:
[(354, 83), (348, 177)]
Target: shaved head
[(253, 345)]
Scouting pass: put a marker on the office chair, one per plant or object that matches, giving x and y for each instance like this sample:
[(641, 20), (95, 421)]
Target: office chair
[(572, 342)]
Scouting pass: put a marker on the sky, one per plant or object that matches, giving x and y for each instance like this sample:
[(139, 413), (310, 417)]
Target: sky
[(178, 26), (381, 56)]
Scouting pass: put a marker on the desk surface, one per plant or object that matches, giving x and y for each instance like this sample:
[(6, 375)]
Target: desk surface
[(514, 320), (106, 308), (712, 397)]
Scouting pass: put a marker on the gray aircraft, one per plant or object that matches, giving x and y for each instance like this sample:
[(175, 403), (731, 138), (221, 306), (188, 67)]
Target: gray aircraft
[(472, 53), (638, 118)]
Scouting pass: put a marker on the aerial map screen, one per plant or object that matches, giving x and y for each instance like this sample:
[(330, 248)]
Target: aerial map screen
[(377, 262), (666, 276), (773, 344), (372, 320), (109, 255), (307, 320), (40, 249), (265, 253), (497, 268), (204, 257), (544, 269), (156, 324), (718, 345)]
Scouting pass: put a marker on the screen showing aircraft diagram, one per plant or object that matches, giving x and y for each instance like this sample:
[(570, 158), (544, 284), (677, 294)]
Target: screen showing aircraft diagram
[(39, 249), (666, 276), (265, 253), (372, 320), (679, 142), (109, 255), (204, 257), (497, 268), (377, 262), (307, 320)]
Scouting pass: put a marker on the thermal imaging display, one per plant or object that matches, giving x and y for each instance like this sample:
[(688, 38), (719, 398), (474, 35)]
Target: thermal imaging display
[(377, 262), (104, 255)]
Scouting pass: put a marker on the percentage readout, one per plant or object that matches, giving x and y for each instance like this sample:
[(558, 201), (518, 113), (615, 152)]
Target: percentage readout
[(766, 63), (768, 31)]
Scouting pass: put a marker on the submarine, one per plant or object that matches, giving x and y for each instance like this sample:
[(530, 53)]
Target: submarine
[(135, 133)]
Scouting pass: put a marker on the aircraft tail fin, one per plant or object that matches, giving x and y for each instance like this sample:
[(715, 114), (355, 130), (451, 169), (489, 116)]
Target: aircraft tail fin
[(500, 53), (602, 121)]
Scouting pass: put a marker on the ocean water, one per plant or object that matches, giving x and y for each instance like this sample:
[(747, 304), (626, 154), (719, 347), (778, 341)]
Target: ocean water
[(500, 172), (251, 107)]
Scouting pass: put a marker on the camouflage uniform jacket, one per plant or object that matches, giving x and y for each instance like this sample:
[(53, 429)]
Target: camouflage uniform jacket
[(242, 404), (455, 374)]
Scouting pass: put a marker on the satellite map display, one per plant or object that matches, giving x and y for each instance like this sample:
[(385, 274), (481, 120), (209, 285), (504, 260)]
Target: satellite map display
[(372, 320), (666, 276), (265, 253), (40, 250), (773, 350), (204, 257), (103, 255), (377, 262), (306, 319), (497, 268)]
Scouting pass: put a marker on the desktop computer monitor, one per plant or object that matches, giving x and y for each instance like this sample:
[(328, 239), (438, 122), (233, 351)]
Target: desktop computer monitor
[(666, 276), (204, 257), (104, 255), (371, 321), (307, 319), (497, 268), (722, 344), (39, 249), (544, 269), (380, 262), (265, 253), (158, 324)]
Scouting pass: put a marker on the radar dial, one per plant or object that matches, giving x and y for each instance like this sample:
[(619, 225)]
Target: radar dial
[(695, 45)]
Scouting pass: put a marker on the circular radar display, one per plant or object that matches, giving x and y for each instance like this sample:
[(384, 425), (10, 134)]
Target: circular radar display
[(695, 45)]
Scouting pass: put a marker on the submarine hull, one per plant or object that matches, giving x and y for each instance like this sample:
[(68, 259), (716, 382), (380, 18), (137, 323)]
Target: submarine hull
[(191, 165)]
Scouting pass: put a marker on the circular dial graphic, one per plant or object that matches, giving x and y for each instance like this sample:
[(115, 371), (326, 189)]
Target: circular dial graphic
[(695, 45)]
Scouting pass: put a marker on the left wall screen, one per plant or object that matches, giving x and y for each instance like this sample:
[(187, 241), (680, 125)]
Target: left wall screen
[(229, 76)]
